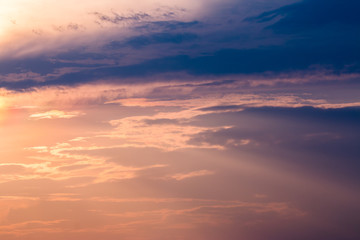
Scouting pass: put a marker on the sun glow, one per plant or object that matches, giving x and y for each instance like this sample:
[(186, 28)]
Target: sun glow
[(2, 103)]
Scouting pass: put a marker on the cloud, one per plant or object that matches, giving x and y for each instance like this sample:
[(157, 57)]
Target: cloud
[(319, 14), (53, 114), (162, 121), (313, 137), (170, 216), (38, 34), (223, 63), (156, 38), (158, 134), (205, 48), (10, 169), (205, 135), (69, 27), (116, 18), (222, 108), (168, 25), (182, 176)]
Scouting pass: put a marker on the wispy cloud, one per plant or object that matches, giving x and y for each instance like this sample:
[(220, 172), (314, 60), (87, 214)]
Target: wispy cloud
[(200, 173), (54, 114)]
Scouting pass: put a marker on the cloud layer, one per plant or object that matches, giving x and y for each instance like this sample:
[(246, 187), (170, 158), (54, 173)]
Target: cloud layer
[(181, 41)]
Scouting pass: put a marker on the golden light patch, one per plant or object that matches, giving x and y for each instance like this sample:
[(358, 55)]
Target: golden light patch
[(2, 109)]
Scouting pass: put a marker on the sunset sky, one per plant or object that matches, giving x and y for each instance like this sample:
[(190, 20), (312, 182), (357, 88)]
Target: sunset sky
[(179, 119)]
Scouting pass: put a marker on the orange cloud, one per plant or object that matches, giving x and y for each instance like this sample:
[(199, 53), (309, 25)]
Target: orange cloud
[(53, 114), (182, 176)]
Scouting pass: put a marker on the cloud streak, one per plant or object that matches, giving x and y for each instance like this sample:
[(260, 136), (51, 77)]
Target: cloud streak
[(53, 114)]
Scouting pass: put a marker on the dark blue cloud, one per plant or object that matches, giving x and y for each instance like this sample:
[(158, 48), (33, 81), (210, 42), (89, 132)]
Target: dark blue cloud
[(156, 38), (82, 54), (329, 25), (221, 108), (47, 69), (41, 65), (221, 63), (310, 15), (314, 34), (237, 61), (167, 25)]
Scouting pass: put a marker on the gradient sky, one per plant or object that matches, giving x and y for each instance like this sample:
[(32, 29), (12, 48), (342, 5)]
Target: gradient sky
[(158, 120)]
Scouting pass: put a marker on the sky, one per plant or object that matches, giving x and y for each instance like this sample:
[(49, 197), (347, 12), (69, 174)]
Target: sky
[(169, 119)]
